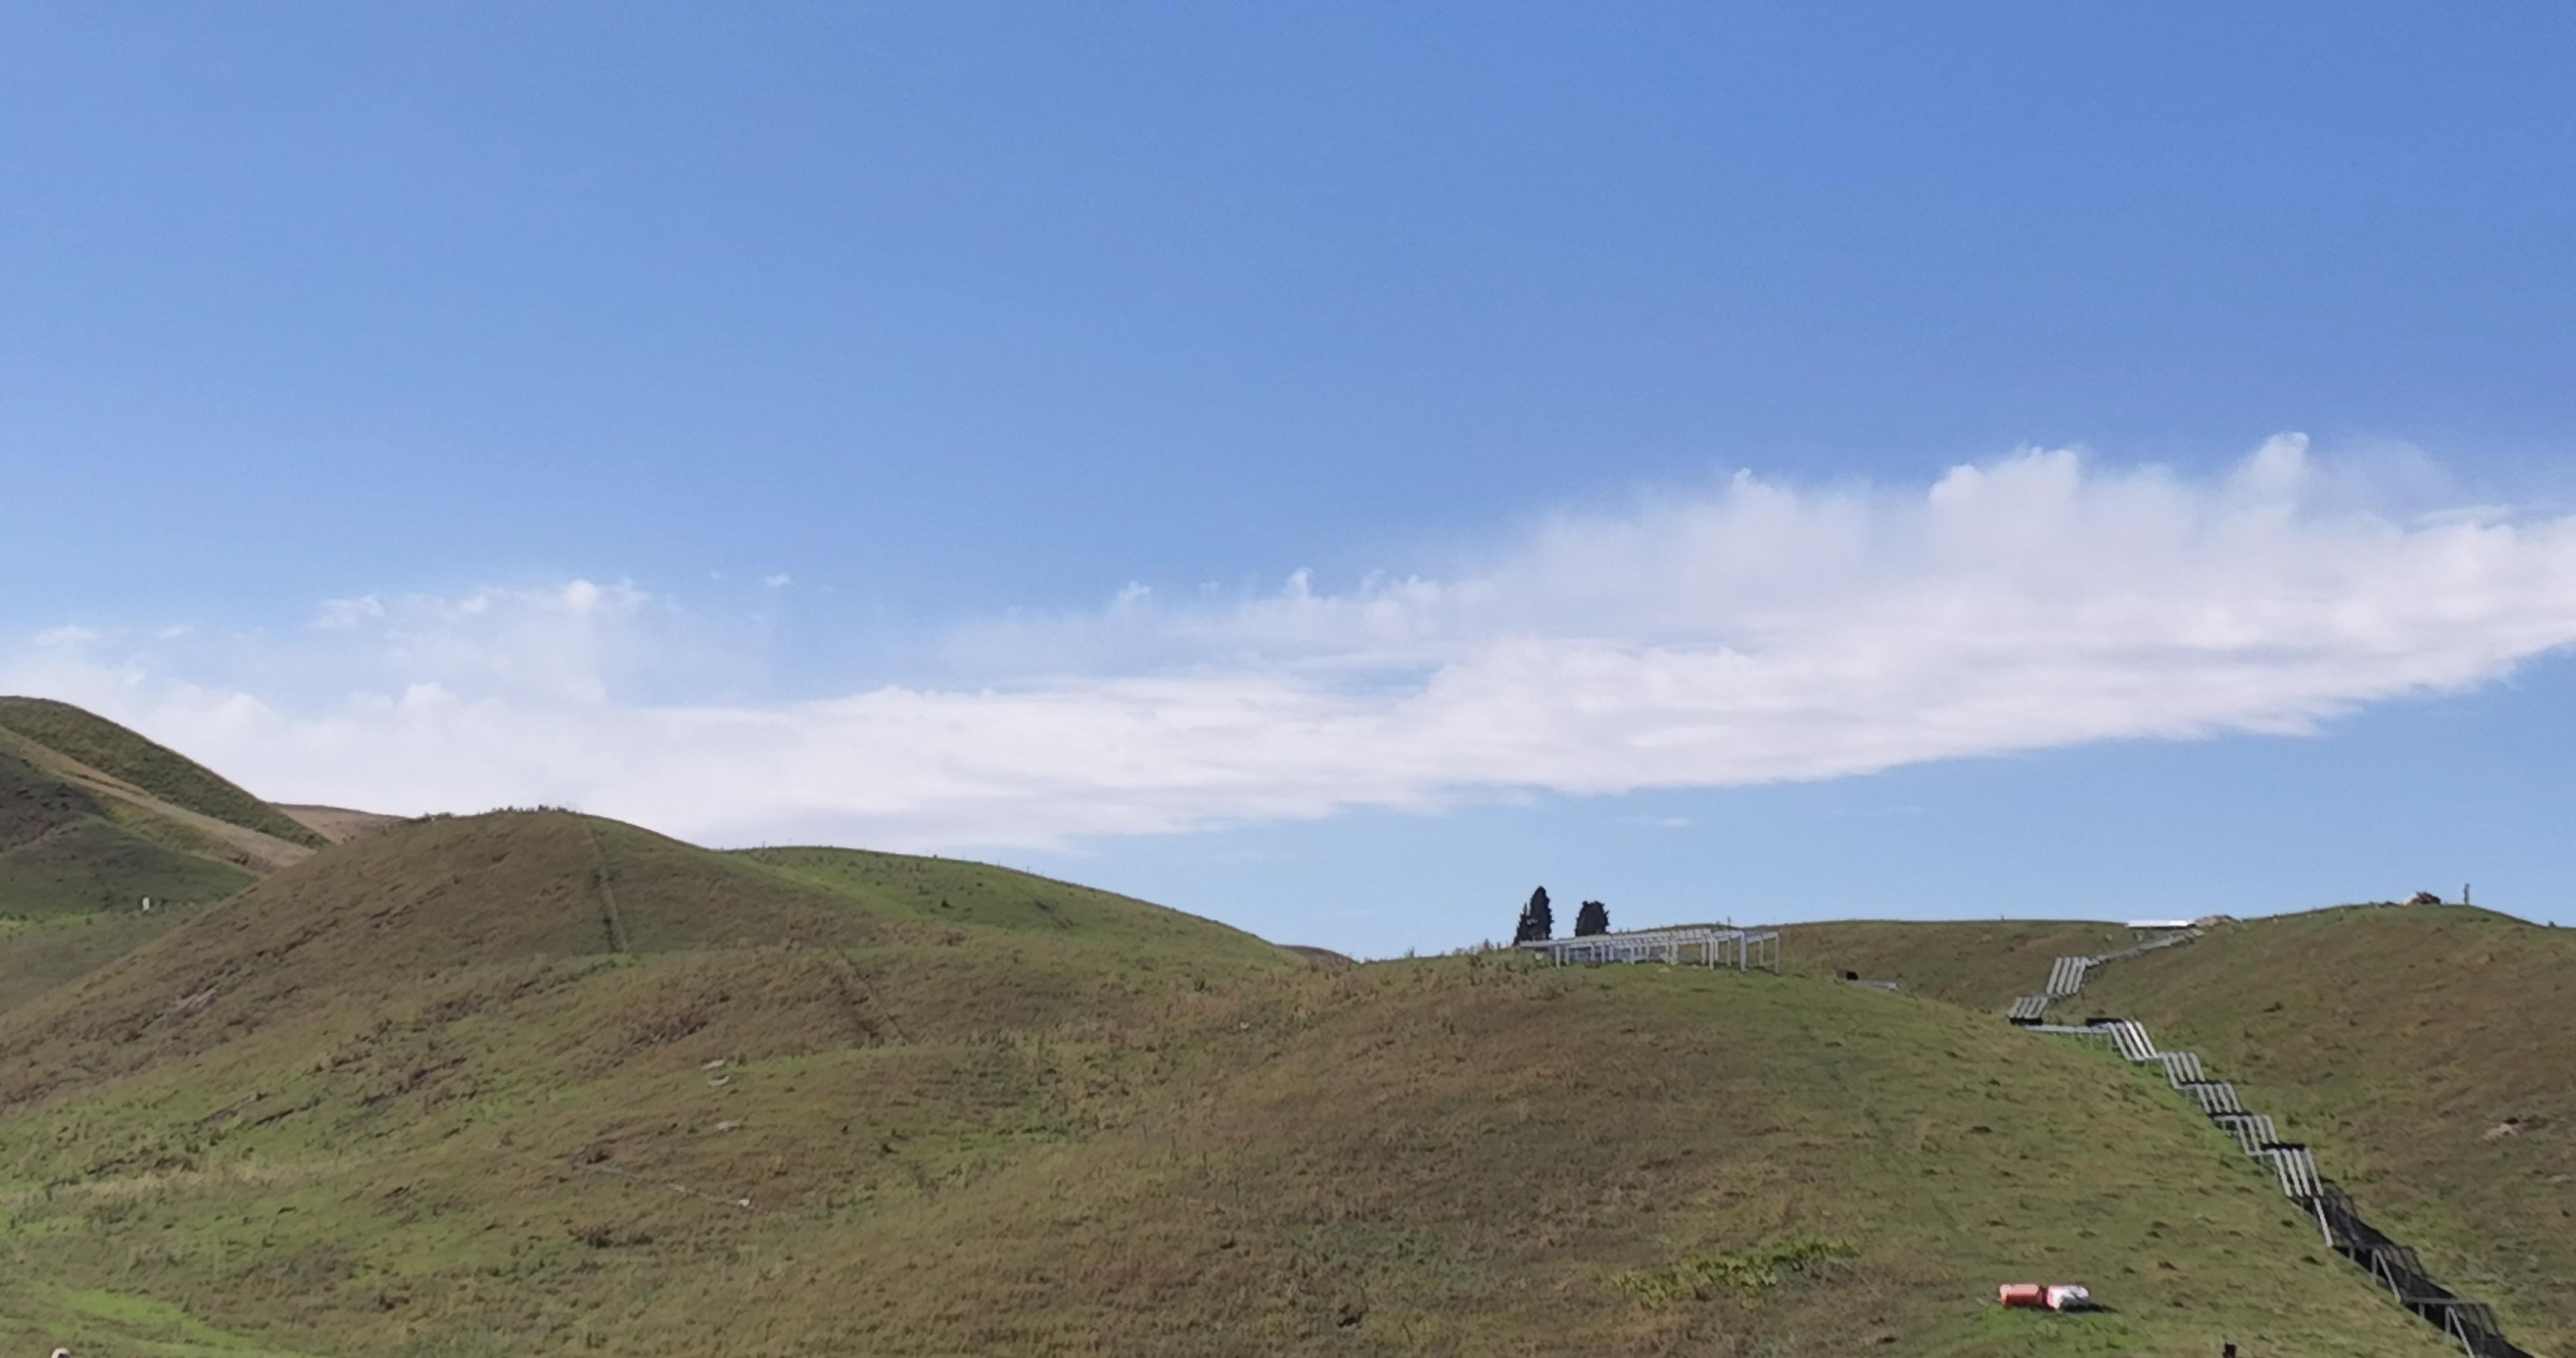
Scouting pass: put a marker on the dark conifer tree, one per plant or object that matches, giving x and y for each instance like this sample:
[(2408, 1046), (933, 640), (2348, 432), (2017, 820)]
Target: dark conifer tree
[(1591, 918), (1538, 920)]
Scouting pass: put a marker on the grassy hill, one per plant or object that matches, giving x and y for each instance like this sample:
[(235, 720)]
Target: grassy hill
[(477, 1085), (61, 854), (2394, 1040), (94, 819), (1979, 964), (38, 957), (537, 1081), (157, 770), (946, 892), (547, 891)]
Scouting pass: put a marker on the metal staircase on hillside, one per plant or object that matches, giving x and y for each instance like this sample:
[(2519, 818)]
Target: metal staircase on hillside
[(2470, 1324)]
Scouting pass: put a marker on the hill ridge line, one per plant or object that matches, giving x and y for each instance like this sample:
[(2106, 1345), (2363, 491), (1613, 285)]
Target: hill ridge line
[(2471, 1324), (254, 844), (142, 766)]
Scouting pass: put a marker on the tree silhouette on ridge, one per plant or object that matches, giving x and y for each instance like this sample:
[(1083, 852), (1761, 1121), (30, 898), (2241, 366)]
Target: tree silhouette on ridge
[(1538, 920)]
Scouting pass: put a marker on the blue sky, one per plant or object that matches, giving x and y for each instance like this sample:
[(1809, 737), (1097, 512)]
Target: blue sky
[(1284, 460)]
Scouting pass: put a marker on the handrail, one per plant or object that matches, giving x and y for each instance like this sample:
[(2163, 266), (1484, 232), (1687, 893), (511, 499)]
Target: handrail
[(2470, 1324)]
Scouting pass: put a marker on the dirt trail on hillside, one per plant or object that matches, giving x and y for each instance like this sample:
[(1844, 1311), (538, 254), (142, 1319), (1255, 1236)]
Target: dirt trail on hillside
[(261, 852), (338, 824)]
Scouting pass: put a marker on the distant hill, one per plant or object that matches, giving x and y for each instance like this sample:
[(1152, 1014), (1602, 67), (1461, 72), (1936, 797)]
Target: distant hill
[(161, 772), (484, 1084), (337, 824), (65, 851), (95, 819)]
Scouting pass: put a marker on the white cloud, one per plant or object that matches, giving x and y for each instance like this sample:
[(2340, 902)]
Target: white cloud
[(338, 615), (63, 639), (1748, 632)]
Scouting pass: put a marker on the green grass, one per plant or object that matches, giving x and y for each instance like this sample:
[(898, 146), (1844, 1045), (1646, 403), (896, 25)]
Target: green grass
[(94, 865), (1750, 1272), (947, 891), (97, 1316), (503, 1083), (36, 957), (33, 805), (164, 773), (1979, 964), (60, 854), (2393, 1040), (1061, 945), (1246, 1172)]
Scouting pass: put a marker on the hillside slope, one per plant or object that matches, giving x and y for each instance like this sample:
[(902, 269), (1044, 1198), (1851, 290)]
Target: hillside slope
[(62, 854), (39, 957), (946, 891), (536, 1081), (338, 824), (2397, 1042), (157, 770), (1979, 964), (444, 897), (77, 838)]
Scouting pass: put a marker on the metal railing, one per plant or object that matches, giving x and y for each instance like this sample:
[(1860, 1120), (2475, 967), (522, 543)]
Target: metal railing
[(1701, 945), (2470, 1324)]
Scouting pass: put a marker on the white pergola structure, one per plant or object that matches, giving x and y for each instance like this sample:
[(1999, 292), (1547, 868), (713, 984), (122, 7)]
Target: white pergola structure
[(1707, 945)]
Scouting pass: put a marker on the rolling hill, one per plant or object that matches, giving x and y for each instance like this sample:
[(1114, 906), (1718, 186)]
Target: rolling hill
[(66, 851), (94, 819), (481, 1084), (532, 1080), (102, 747)]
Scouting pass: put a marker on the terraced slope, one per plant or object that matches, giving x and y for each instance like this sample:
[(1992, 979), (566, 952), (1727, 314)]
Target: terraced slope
[(2428, 1054), (157, 770), (538, 1082)]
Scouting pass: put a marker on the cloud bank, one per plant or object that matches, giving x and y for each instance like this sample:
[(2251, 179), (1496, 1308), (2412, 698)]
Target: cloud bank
[(1747, 632)]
